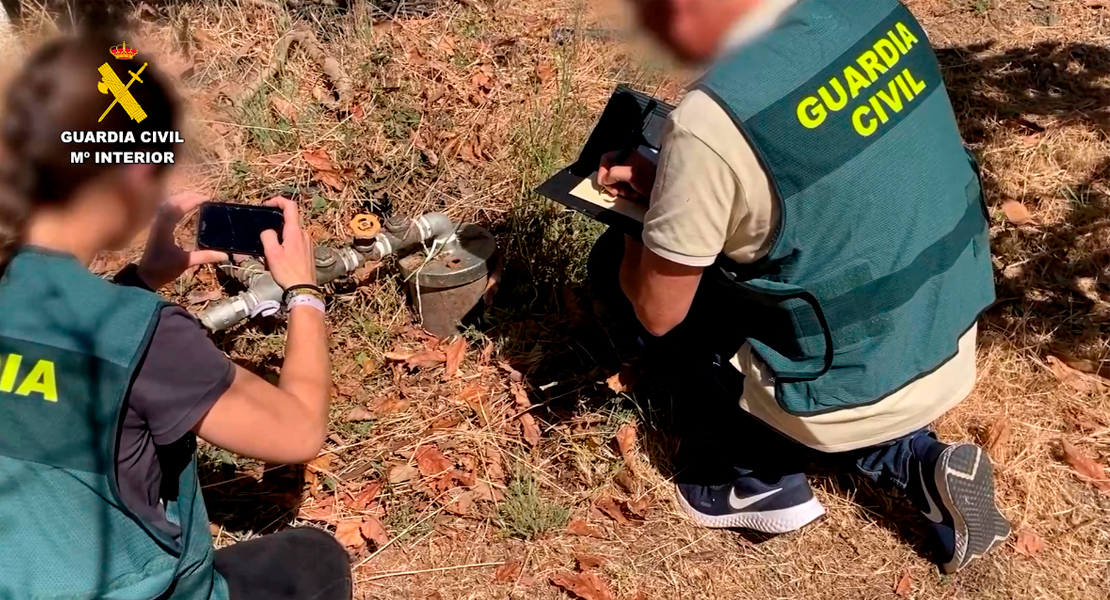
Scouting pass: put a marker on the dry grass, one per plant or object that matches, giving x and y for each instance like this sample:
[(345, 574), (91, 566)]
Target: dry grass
[(465, 111)]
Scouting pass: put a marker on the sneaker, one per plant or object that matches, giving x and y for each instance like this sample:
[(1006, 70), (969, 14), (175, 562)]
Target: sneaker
[(750, 503), (956, 493)]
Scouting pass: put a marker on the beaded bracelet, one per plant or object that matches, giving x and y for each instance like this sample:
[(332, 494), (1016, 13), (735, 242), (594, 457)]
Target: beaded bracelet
[(303, 288), (306, 299)]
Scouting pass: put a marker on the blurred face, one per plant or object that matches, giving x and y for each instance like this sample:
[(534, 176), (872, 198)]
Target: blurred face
[(138, 191), (692, 29)]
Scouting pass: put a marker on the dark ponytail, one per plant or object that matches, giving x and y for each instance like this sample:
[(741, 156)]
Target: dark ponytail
[(56, 91)]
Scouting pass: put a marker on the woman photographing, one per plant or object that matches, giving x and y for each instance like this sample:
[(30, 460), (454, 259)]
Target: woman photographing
[(104, 386)]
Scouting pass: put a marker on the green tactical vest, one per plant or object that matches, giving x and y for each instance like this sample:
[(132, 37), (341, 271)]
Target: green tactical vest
[(881, 259), (69, 346)]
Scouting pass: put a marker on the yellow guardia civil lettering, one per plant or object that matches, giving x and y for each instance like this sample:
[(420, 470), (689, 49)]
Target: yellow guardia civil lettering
[(868, 68), (40, 380)]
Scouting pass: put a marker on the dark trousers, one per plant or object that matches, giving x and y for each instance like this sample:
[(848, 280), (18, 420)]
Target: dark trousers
[(693, 358), (295, 564)]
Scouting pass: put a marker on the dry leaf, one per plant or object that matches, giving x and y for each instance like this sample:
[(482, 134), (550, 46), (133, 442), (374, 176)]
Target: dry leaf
[(639, 507), (1016, 212), (464, 478), (1085, 466), (200, 296), (322, 462), (358, 413), (331, 179), (357, 112), (426, 359), (447, 421), (399, 356), (508, 571), (402, 473), (447, 45), (1028, 542), (454, 352), (471, 394), (588, 561), (432, 462), (318, 159), (626, 441), (587, 586), (369, 366), (460, 505), (284, 108), (514, 375), (372, 530), (1075, 379), (281, 159), (530, 429), (626, 480), (904, 587), (349, 533), (609, 506), (387, 405), (580, 527), (998, 437), (520, 396), (366, 496), (483, 491), (495, 469), (325, 511), (481, 81), (622, 381), (639, 596), (544, 72)]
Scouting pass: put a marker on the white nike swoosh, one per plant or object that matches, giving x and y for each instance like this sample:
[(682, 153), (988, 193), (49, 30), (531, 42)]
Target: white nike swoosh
[(934, 513), (738, 503)]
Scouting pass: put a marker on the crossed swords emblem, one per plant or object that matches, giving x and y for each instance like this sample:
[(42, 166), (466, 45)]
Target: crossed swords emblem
[(112, 84)]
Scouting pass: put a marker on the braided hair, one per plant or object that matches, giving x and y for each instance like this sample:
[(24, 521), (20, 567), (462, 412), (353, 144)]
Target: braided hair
[(56, 91)]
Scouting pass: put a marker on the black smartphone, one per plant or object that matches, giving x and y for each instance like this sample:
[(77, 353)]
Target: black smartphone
[(236, 228)]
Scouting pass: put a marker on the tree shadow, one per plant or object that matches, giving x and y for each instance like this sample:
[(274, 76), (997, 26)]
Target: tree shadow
[(242, 501), (1052, 279)]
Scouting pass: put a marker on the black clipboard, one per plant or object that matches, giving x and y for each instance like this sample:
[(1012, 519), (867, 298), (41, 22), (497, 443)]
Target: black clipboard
[(620, 119)]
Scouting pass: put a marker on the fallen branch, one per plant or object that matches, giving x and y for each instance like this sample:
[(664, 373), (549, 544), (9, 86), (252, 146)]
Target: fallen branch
[(307, 40), (277, 63), (331, 67)]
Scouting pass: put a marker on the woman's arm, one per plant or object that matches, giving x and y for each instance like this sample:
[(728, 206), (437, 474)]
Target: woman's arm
[(287, 423)]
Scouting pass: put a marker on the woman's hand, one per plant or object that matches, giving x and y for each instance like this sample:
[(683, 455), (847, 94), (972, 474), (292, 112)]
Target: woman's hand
[(633, 179), (291, 262), (163, 260)]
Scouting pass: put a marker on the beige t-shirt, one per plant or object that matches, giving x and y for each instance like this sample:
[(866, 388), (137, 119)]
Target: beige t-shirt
[(711, 196)]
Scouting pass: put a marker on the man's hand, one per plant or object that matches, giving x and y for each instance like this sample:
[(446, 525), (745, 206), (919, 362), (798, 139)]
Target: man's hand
[(633, 179), (163, 260), (292, 262)]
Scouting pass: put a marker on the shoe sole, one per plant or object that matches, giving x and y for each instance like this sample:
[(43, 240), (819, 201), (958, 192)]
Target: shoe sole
[(965, 480), (783, 520)]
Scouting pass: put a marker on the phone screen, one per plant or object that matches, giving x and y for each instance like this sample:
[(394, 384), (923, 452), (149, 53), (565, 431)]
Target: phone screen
[(236, 228)]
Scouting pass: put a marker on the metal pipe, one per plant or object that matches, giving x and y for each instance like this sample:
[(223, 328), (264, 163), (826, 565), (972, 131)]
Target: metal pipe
[(263, 295), (401, 235)]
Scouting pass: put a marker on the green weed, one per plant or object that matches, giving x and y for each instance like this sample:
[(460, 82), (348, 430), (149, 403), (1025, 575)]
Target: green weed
[(524, 513), (404, 522)]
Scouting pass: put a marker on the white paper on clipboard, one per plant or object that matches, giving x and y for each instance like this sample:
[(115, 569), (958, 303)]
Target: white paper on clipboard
[(590, 191)]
